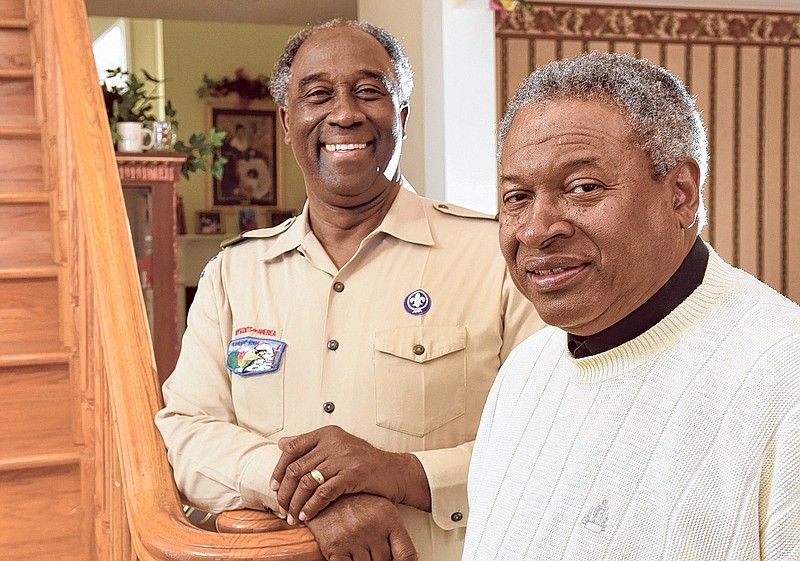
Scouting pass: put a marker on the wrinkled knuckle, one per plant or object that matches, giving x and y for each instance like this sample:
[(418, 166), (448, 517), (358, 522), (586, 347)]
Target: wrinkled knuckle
[(306, 483), (294, 471), (326, 493), (291, 447)]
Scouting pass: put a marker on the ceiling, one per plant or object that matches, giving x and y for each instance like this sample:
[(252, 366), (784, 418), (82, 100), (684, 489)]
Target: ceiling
[(276, 12)]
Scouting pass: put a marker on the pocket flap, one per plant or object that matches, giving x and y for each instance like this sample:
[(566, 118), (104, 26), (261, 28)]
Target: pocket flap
[(421, 343)]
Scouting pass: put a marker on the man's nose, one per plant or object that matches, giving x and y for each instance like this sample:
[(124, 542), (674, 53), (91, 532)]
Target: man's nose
[(345, 110), (544, 222)]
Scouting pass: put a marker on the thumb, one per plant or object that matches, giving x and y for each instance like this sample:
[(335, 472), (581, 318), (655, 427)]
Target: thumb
[(284, 442), (401, 545)]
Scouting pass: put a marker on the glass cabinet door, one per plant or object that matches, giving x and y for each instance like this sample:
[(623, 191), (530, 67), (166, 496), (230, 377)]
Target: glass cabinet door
[(139, 204)]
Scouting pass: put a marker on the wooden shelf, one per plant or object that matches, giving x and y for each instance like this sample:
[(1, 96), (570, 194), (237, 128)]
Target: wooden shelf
[(204, 237)]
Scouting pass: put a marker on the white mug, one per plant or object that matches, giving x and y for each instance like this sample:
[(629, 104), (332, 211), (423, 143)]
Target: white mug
[(132, 137)]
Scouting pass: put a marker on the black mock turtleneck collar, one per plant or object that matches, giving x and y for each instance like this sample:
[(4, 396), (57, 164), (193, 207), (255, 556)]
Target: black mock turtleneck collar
[(679, 286)]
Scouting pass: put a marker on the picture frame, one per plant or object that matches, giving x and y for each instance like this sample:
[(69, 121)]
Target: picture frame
[(209, 222), (278, 217), (253, 146), (248, 219)]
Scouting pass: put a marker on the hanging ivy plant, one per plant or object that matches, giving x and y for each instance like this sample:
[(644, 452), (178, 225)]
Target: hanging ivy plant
[(243, 84)]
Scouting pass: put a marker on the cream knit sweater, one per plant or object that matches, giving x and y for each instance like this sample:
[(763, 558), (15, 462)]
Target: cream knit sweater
[(682, 444)]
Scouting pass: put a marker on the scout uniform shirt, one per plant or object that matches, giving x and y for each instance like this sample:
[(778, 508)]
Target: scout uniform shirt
[(399, 347)]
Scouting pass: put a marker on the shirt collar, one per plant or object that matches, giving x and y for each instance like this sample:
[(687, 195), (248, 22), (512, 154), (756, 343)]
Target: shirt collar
[(406, 220), (679, 286)]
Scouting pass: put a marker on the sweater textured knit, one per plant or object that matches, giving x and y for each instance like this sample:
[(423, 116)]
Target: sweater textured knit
[(682, 444)]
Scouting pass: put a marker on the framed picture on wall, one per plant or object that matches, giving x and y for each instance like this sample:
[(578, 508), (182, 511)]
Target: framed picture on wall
[(253, 147), (209, 222), (280, 216), (248, 219)]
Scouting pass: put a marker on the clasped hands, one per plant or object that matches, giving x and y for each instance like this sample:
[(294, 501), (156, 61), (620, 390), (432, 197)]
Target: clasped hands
[(352, 513)]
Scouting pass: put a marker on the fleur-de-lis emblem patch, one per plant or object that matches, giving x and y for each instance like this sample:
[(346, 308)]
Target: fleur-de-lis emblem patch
[(418, 302)]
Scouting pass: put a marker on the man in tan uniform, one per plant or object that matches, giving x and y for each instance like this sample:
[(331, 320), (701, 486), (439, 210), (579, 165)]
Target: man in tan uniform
[(368, 329)]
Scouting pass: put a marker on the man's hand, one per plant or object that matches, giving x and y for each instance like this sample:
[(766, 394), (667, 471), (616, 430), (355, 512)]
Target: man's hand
[(349, 465), (362, 528)]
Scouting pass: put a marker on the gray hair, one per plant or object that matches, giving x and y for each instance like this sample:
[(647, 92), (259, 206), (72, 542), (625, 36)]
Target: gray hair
[(655, 102), (403, 74)]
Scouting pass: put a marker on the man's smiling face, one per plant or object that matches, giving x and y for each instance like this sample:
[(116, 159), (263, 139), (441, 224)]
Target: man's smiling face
[(587, 232), (342, 119)]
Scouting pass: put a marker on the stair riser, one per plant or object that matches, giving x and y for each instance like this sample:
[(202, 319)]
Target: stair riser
[(29, 311), (12, 9), (25, 238), (16, 103), (15, 51), (20, 160)]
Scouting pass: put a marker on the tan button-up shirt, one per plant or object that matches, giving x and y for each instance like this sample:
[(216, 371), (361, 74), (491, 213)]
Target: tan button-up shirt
[(399, 347)]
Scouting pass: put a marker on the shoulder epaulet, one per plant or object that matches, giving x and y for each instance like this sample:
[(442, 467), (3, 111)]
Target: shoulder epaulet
[(261, 233), (455, 210)]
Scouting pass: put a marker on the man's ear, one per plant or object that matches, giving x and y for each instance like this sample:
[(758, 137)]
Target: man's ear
[(403, 121), (686, 191), (284, 126)]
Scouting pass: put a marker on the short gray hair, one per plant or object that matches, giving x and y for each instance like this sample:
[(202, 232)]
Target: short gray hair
[(403, 74), (655, 102)]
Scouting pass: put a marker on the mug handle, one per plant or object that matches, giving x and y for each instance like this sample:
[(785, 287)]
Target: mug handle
[(149, 144)]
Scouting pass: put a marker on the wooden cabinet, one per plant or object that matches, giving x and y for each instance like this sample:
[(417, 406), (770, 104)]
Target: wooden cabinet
[(148, 185)]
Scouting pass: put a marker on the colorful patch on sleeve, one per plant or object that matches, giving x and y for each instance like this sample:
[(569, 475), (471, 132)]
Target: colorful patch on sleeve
[(203, 272), (251, 355)]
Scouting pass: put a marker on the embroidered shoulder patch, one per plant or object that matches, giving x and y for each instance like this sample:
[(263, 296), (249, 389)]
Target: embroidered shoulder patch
[(251, 355)]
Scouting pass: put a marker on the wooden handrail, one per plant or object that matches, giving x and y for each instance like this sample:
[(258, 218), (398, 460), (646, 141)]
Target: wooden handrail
[(159, 529)]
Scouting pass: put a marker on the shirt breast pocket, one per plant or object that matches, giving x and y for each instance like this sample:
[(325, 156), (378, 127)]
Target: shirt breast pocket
[(257, 377), (420, 377)]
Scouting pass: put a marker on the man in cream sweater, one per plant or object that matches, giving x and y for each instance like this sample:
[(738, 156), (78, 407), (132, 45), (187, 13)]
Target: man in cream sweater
[(660, 418)]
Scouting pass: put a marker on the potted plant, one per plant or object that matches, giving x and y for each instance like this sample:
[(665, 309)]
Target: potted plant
[(133, 102)]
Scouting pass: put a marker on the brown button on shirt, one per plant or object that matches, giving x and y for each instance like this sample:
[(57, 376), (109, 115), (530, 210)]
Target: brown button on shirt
[(428, 315)]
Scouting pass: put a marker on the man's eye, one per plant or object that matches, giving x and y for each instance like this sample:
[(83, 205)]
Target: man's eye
[(586, 188), (369, 91), (317, 93), (513, 198)]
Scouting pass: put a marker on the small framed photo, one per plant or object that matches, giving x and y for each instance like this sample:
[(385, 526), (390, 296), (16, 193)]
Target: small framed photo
[(253, 148), (209, 222), (280, 216), (248, 219)]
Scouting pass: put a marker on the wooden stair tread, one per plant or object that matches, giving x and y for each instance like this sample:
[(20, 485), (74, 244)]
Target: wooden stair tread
[(19, 132), (29, 272), (25, 197), (16, 73), (46, 352), (32, 461), (13, 23)]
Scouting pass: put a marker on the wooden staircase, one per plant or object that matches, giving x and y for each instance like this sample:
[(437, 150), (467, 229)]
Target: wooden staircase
[(83, 471), (47, 466)]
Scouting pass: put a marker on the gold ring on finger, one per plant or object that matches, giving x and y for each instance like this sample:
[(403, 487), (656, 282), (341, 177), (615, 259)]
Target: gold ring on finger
[(317, 476)]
